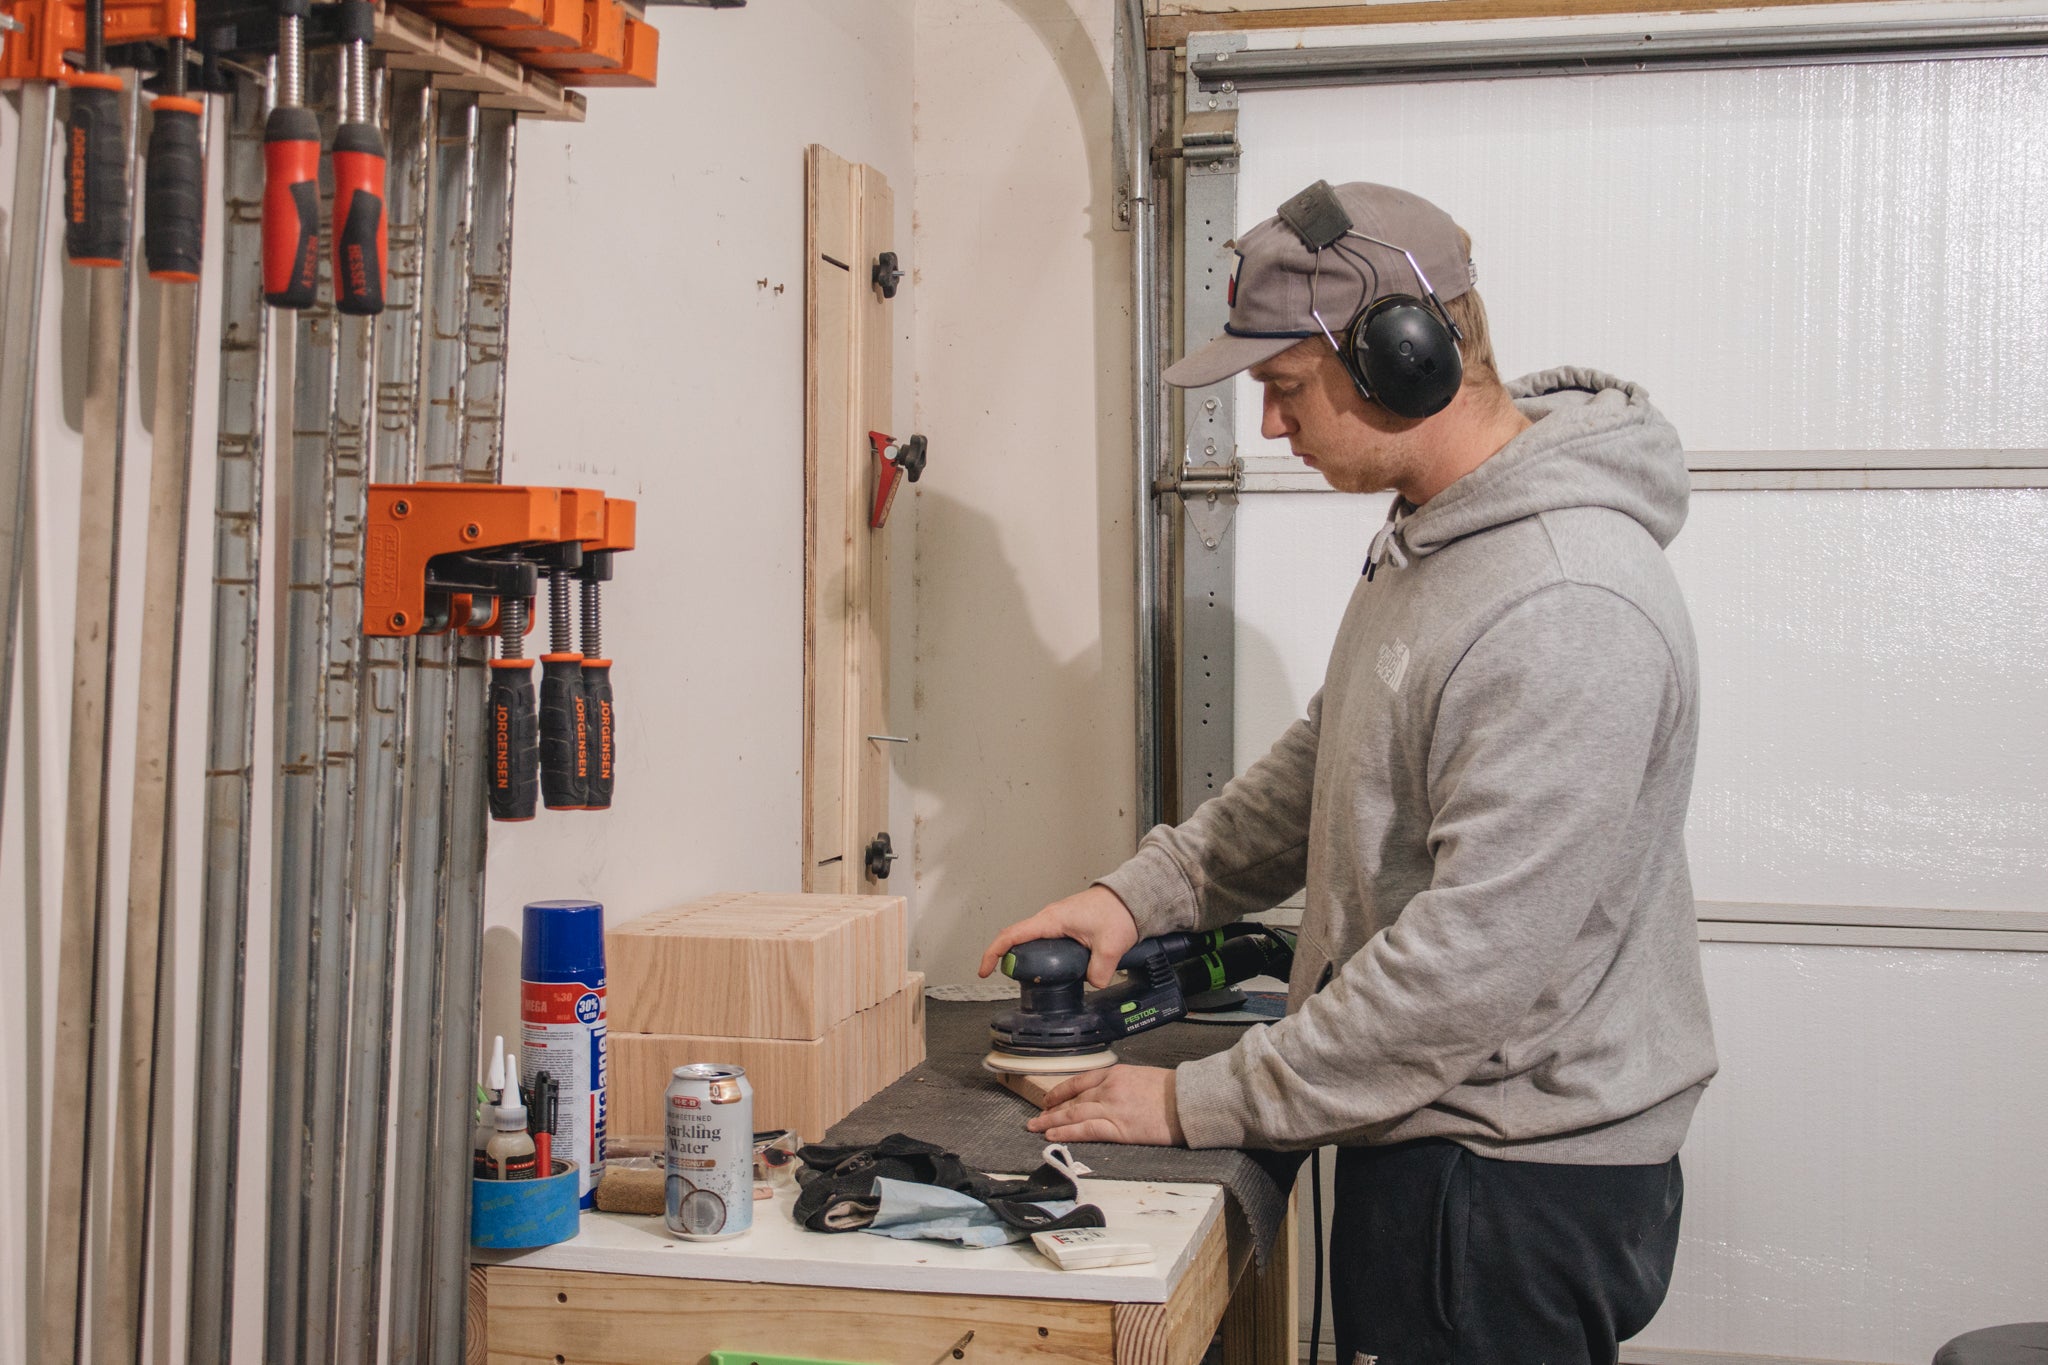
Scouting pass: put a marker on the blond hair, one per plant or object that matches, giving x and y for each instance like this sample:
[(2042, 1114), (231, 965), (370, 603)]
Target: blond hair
[(1468, 312)]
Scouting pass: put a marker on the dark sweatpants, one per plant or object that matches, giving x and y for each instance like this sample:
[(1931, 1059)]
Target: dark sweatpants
[(1440, 1257)]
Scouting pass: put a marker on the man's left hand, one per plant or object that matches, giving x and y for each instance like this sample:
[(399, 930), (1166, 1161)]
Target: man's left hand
[(1131, 1104)]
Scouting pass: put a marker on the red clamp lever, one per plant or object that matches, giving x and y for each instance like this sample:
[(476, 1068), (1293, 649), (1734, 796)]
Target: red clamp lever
[(891, 470)]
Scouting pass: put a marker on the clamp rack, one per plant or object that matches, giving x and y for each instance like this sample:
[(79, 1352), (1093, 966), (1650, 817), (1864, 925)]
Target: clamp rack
[(381, 806)]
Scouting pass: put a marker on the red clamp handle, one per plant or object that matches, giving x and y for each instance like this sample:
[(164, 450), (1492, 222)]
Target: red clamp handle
[(891, 470)]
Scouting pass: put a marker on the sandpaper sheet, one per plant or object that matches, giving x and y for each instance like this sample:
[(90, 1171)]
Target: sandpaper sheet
[(951, 1101)]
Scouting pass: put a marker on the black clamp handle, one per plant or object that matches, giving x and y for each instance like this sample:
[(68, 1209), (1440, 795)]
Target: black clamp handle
[(910, 457), (880, 857), (886, 275)]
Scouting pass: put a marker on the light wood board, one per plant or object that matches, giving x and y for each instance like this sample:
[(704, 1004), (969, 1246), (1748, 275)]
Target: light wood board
[(552, 1315), (755, 964), (848, 379), (1178, 1331), (804, 1086), (1262, 1326)]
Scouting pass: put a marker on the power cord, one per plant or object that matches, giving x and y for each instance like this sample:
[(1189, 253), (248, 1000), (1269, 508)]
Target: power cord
[(1315, 1319)]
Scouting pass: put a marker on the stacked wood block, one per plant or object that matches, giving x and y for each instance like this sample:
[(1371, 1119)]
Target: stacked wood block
[(808, 993)]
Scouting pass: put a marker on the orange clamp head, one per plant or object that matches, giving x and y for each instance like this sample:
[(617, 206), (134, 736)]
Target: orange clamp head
[(621, 516)]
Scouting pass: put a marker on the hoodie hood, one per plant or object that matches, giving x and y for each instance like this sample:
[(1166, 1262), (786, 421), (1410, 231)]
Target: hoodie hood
[(1595, 442)]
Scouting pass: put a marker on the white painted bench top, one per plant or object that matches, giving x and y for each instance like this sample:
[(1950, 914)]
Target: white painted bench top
[(1174, 1218)]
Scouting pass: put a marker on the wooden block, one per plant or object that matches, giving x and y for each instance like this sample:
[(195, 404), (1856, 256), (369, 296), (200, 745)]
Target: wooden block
[(761, 965), (1033, 1088), (804, 1086)]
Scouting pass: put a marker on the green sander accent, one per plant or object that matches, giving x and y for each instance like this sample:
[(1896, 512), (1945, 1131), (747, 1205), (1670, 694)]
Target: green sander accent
[(1060, 1026)]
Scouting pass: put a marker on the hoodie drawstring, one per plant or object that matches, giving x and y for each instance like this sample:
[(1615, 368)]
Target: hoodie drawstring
[(1386, 542)]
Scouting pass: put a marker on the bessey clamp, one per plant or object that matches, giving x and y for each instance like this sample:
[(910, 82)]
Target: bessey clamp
[(468, 558)]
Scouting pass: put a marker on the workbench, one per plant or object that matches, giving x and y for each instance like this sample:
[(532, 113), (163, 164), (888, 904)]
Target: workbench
[(624, 1292)]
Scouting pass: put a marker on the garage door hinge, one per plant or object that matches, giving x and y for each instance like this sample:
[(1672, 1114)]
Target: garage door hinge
[(1208, 143), (1208, 494)]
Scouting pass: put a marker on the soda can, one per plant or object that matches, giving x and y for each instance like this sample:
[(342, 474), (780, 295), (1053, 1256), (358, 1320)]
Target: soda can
[(710, 1119)]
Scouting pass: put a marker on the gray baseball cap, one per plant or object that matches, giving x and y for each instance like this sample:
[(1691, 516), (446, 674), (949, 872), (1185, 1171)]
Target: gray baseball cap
[(1270, 294)]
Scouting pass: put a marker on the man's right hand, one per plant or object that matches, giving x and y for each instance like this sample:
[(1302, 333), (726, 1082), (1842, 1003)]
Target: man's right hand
[(1096, 918)]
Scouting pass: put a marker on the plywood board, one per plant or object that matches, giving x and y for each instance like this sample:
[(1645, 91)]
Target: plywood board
[(1263, 1321), (848, 378), (755, 964), (805, 1086), (549, 1316), (1178, 1332)]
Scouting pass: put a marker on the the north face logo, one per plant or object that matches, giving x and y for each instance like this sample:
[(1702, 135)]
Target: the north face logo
[(1393, 664)]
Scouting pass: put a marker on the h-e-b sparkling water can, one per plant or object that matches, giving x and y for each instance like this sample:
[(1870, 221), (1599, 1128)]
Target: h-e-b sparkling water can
[(710, 1120)]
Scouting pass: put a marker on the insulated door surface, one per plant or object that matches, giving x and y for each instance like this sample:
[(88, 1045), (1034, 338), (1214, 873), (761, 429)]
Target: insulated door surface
[(1796, 263)]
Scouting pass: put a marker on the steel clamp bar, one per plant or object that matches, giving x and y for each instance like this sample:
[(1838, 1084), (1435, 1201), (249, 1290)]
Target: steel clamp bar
[(230, 734), (296, 1139), (350, 416), (20, 344), (381, 758), (144, 1030), (429, 871), (80, 969)]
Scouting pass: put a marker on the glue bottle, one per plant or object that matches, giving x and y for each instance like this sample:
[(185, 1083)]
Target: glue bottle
[(489, 1096), (510, 1153)]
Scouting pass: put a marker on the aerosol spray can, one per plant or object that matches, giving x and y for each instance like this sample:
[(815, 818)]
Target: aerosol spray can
[(562, 1026), (710, 1111)]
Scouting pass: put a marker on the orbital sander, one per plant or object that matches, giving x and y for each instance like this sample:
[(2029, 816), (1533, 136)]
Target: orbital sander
[(1059, 1026)]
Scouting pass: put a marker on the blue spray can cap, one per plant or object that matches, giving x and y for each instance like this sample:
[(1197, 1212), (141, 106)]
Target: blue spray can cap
[(564, 941)]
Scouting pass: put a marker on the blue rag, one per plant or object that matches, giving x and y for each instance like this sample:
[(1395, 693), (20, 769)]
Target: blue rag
[(910, 1211)]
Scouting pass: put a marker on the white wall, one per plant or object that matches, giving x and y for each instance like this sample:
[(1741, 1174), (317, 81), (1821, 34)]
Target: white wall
[(679, 381), (1024, 694), (644, 359)]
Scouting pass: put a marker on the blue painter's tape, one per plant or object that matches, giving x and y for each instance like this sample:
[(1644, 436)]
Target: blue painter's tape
[(504, 1214)]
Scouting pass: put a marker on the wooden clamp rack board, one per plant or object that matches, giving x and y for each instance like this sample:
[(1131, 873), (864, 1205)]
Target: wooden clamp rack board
[(623, 1292), (410, 41), (848, 344)]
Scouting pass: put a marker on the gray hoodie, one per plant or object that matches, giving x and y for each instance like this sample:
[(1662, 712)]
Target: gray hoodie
[(1486, 801)]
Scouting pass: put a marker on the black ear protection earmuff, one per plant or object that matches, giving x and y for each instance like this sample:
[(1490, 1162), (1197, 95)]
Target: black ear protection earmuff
[(1403, 356), (1400, 351)]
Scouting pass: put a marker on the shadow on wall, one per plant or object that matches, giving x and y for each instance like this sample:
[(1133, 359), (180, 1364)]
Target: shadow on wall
[(1080, 63), (1024, 776), (1025, 794)]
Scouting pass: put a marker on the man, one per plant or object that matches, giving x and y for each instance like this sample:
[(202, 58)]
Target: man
[(1497, 1010)]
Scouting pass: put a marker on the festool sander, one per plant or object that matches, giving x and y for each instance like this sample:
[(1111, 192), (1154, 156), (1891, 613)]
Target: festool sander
[(1061, 1026)]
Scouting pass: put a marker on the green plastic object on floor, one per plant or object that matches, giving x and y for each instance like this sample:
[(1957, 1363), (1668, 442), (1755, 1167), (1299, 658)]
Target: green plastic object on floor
[(745, 1358)]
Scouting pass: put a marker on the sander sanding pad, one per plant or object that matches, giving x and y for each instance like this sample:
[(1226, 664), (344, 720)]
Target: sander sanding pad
[(1016, 1064)]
